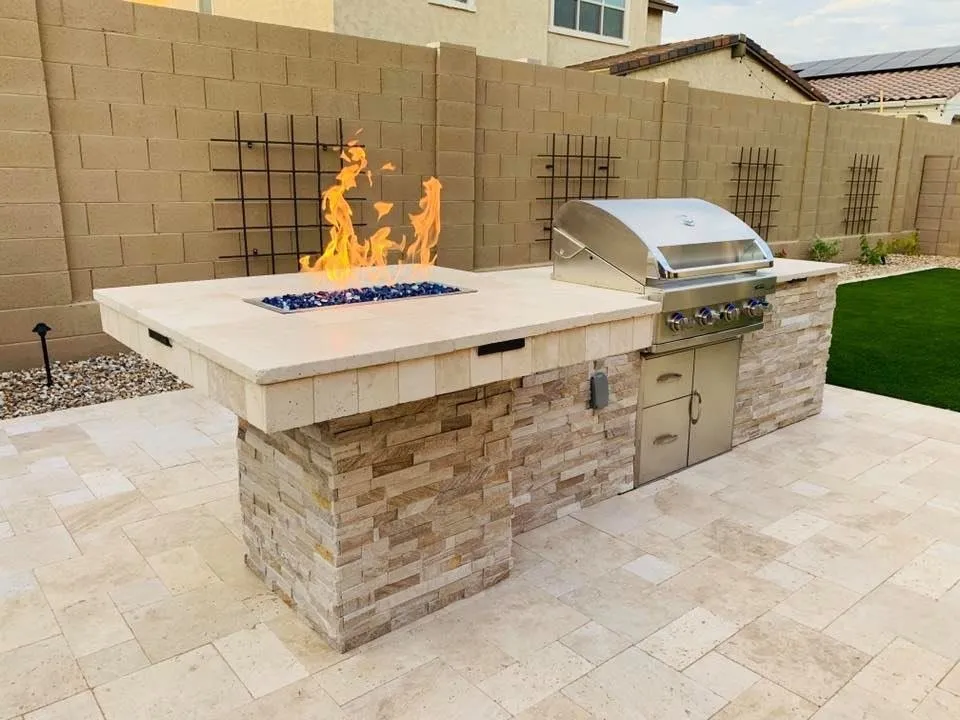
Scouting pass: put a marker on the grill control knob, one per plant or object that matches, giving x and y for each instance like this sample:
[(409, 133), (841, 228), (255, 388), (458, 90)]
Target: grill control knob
[(677, 321), (730, 312), (756, 307), (707, 316)]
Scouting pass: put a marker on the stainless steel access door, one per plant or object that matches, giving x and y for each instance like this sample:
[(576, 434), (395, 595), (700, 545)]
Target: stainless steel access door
[(713, 401)]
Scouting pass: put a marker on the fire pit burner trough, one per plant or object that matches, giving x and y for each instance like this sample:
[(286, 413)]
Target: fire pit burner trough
[(300, 302)]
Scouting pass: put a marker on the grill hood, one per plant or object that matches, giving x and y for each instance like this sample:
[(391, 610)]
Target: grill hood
[(632, 244)]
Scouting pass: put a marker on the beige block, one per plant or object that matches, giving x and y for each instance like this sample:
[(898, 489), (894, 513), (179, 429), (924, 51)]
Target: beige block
[(195, 124), (333, 103), (457, 88), (418, 110), (358, 78), (25, 149), (143, 121), (453, 371), (108, 152), (93, 251), (98, 15), (286, 99), (153, 249), (548, 121), (20, 9), (546, 352), (175, 90), (77, 116), (311, 72), (259, 67), (379, 107), (58, 76), (78, 186), (75, 319), (399, 135), (333, 46), (185, 272), (124, 276), (28, 185), (457, 60), (282, 406), (25, 112), (202, 60), (232, 95), (25, 76), (208, 186), (32, 256), (417, 379), (148, 186), (227, 32), (136, 53), (423, 59), (120, 218), (402, 83), (34, 290), (69, 45), (81, 285), (209, 246), (107, 84), (284, 40), (30, 221), (456, 114), (179, 154), (183, 217), (165, 23), (19, 38), (335, 395), (74, 219), (380, 53)]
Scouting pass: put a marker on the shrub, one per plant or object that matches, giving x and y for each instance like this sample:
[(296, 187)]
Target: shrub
[(876, 255), (908, 245), (824, 250)]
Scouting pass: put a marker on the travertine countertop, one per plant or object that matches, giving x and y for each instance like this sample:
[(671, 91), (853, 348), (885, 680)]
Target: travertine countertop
[(209, 318), (786, 269)]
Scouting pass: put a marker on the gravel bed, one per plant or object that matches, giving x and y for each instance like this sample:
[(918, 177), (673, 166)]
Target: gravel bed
[(83, 382), (896, 265)]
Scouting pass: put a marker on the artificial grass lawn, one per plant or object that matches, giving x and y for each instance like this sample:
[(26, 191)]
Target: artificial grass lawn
[(900, 336)]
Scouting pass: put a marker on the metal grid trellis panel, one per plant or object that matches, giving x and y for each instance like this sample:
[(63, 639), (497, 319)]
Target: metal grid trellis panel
[(578, 167), (757, 182), (862, 189), (280, 186)]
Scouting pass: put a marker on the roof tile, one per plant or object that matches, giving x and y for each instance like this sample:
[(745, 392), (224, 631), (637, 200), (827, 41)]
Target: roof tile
[(939, 82)]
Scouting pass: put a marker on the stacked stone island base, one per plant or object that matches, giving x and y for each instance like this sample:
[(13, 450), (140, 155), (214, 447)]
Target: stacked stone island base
[(368, 522), (783, 367)]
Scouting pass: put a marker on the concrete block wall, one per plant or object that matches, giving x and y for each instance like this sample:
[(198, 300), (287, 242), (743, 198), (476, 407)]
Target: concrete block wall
[(108, 108)]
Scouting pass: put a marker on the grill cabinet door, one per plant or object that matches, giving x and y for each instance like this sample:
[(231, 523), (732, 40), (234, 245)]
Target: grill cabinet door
[(713, 401), (664, 433), (666, 377)]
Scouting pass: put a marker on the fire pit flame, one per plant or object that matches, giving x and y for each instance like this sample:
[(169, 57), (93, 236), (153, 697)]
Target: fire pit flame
[(346, 251)]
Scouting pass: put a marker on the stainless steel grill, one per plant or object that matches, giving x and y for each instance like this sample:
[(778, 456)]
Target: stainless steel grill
[(704, 265), (696, 259)]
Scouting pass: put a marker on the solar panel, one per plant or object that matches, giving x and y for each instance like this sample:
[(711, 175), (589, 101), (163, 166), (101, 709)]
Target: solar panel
[(901, 60)]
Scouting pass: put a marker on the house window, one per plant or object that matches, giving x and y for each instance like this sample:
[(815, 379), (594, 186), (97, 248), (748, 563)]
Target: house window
[(205, 6), (597, 17)]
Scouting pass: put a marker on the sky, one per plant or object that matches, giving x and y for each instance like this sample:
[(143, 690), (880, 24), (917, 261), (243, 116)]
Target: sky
[(802, 30)]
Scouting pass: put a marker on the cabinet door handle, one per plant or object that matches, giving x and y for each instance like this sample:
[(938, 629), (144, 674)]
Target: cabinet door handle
[(695, 399), (665, 439), (669, 377)]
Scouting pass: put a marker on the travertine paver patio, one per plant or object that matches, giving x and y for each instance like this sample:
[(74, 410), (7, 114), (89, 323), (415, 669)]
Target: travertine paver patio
[(812, 573)]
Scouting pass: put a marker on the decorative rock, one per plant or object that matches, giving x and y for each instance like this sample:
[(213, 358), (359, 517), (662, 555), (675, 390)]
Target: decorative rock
[(350, 296)]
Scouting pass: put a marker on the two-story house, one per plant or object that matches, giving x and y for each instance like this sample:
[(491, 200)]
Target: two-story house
[(552, 32)]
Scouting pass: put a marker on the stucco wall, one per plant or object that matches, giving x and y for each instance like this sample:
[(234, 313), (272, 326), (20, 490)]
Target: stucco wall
[(654, 27), (718, 71), (312, 14)]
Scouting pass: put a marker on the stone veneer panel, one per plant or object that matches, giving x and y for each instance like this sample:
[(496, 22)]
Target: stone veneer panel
[(369, 522), (565, 455), (783, 366)]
